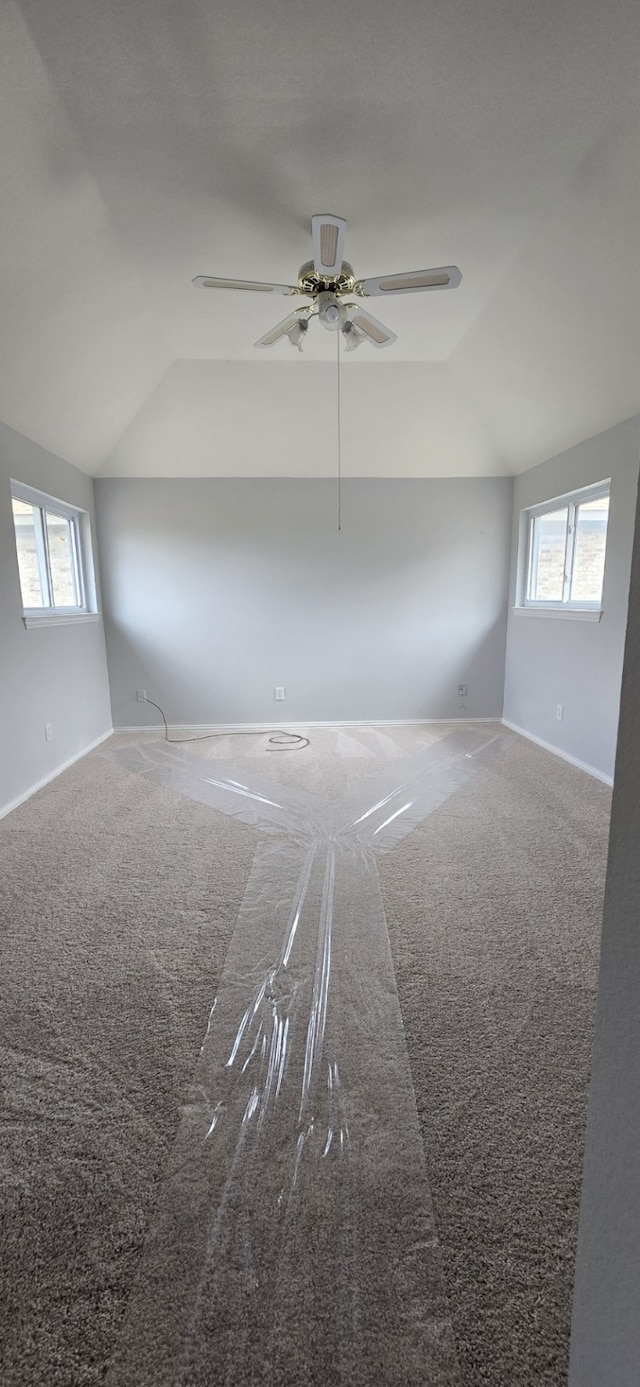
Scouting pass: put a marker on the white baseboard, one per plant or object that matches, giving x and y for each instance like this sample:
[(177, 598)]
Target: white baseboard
[(556, 751), (210, 727), (46, 780)]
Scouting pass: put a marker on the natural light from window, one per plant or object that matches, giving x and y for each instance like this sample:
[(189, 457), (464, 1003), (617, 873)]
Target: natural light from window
[(566, 547), (53, 554)]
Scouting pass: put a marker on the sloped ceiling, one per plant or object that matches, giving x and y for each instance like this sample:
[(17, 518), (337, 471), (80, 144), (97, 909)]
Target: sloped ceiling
[(143, 142)]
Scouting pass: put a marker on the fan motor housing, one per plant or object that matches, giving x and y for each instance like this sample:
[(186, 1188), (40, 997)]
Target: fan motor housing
[(313, 284)]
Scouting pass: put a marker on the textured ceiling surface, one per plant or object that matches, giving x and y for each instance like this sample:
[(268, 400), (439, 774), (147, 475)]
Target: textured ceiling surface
[(144, 142)]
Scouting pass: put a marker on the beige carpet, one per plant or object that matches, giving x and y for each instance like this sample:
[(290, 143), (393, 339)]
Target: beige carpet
[(119, 901)]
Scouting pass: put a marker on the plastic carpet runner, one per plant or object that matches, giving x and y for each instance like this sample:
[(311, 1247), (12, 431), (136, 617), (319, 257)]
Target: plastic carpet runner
[(294, 1240)]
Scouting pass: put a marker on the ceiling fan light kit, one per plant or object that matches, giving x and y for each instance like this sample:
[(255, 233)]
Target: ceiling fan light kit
[(327, 280), (331, 312), (352, 335), (297, 333)]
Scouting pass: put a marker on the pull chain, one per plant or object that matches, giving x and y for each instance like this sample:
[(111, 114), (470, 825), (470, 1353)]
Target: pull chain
[(339, 440)]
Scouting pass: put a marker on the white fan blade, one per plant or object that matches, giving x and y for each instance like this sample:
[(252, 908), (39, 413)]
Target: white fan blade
[(283, 329), (328, 243), (412, 282), (210, 282), (373, 330)]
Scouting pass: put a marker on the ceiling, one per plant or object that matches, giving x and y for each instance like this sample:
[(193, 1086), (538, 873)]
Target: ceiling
[(144, 142)]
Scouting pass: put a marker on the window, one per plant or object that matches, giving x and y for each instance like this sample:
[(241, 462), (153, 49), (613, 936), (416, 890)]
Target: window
[(565, 551), (53, 545)]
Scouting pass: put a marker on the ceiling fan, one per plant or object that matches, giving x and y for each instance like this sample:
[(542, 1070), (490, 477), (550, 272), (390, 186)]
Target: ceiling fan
[(329, 282)]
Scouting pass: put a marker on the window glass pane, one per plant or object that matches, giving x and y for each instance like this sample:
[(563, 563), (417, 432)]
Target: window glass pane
[(548, 553), (63, 578), (590, 545), (27, 524)]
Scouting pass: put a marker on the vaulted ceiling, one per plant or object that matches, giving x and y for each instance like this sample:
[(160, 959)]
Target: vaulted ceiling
[(143, 142)]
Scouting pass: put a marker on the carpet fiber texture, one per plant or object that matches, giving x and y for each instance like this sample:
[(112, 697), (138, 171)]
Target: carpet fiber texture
[(119, 902)]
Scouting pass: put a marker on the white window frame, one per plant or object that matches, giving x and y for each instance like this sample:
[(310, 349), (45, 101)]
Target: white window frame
[(571, 501), (81, 557)]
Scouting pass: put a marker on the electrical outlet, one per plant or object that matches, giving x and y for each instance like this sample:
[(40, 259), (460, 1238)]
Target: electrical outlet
[(279, 693), (559, 712), (463, 690), (48, 732), (141, 695)]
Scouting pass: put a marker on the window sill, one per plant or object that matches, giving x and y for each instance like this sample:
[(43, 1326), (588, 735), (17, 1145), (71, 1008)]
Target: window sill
[(60, 619), (565, 613)]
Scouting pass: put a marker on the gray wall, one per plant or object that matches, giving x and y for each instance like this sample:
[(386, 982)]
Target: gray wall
[(575, 663), (48, 674), (605, 1346), (216, 590)]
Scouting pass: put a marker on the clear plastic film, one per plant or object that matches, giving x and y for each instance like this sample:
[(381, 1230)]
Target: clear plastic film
[(294, 1239), (261, 804), (375, 816)]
